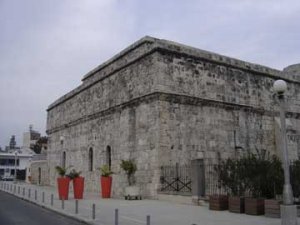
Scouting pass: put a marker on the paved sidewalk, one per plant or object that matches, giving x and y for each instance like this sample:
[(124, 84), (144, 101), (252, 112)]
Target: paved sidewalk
[(131, 212)]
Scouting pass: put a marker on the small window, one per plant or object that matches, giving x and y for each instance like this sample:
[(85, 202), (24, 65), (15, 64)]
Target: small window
[(108, 156), (91, 159), (63, 164)]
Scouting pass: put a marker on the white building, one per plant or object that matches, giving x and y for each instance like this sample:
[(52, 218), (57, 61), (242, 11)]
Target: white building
[(15, 160), (19, 159)]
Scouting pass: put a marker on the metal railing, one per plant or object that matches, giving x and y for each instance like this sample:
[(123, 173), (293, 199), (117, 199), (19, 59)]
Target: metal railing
[(176, 179), (212, 181)]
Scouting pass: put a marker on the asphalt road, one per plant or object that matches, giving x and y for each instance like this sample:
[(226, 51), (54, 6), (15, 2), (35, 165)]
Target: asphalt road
[(14, 211)]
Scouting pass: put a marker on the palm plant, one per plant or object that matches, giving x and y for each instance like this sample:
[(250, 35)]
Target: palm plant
[(61, 170), (105, 171), (73, 174)]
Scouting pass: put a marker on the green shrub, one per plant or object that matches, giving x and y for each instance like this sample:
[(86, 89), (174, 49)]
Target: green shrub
[(130, 168), (231, 174), (261, 175)]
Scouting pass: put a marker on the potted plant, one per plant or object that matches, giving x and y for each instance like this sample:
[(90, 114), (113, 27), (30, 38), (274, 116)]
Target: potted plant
[(131, 191), (78, 183), (231, 176), (254, 204), (295, 182), (63, 183), (275, 183), (106, 181), (295, 177), (259, 169), (218, 201)]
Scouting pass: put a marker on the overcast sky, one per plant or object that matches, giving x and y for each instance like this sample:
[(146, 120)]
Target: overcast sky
[(47, 46)]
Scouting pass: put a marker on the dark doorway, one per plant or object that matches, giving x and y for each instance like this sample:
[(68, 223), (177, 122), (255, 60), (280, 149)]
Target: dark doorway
[(91, 159), (108, 156), (40, 176), (198, 178)]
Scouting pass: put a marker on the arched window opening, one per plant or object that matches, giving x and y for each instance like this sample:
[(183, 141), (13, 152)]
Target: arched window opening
[(39, 176), (63, 164), (91, 159), (108, 156)]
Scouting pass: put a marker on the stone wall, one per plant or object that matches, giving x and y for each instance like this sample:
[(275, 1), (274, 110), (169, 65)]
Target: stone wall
[(160, 103), (211, 107), (39, 172), (130, 132), (135, 81)]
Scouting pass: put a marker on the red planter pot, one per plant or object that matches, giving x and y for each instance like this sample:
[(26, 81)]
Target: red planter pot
[(63, 187), (106, 186), (78, 187)]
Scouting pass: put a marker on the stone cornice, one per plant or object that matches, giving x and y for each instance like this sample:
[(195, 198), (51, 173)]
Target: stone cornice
[(177, 48)]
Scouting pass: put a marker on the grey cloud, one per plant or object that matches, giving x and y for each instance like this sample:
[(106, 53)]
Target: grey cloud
[(47, 46)]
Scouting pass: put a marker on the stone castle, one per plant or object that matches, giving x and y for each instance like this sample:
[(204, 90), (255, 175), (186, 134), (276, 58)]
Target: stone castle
[(163, 103)]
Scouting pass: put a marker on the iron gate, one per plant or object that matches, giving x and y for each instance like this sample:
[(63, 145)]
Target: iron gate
[(176, 179)]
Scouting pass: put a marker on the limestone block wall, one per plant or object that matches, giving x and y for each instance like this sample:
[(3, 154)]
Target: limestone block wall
[(131, 133), (210, 107), (203, 131), (40, 172)]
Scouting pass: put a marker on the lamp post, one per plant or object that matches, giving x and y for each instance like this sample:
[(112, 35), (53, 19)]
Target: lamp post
[(288, 210), (15, 179)]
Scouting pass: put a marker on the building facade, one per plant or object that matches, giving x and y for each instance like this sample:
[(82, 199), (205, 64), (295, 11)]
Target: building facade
[(24, 160), (162, 103), (16, 161)]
